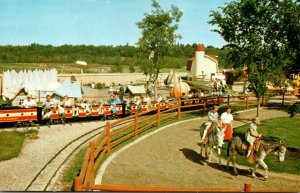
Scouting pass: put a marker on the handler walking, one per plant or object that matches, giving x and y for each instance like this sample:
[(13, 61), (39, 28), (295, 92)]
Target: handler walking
[(226, 123)]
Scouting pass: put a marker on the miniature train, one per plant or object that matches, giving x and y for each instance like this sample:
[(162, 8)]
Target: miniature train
[(30, 116)]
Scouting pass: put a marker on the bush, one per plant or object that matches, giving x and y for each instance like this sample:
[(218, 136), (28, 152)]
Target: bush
[(100, 85), (294, 109)]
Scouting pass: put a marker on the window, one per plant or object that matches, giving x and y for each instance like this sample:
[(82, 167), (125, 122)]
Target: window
[(20, 101)]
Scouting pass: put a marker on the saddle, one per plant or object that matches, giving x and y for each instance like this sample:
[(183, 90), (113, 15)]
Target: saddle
[(245, 145), (209, 131), (256, 144)]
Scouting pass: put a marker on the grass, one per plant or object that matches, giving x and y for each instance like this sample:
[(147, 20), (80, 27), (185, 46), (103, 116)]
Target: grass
[(285, 128), (75, 166), (11, 143)]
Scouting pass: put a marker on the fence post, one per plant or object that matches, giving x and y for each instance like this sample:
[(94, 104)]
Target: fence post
[(158, 115), (179, 108), (136, 124), (107, 129), (247, 101), (263, 100), (92, 161), (77, 184), (204, 104), (247, 187), (282, 103), (228, 100)]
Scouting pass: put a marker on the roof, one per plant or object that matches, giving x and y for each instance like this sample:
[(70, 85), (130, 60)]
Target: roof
[(213, 56), (200, 47), (136, 89), (85, 89), (73, 90)]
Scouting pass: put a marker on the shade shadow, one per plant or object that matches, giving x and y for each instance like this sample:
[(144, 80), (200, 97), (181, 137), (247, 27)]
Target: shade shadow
[(192, 155)]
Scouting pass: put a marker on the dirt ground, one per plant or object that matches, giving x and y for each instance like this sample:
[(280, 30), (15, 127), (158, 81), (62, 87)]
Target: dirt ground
[(170, 158)]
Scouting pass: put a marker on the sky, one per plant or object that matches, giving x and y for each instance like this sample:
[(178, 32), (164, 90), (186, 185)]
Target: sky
[(99, 22)]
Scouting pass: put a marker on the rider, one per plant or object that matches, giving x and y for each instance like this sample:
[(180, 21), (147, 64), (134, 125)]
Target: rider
[(252, 134), (212, 117)]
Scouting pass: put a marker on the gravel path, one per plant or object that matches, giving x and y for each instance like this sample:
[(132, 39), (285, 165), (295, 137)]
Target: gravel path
[(17, 173), (171, 158)]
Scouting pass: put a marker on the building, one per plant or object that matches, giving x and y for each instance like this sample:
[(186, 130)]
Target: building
[(203, 66)]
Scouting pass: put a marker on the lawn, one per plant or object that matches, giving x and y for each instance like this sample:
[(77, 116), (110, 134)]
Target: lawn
[(11, 143)]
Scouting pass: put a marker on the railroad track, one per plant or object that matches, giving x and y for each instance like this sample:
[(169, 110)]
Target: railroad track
[(44, 179)]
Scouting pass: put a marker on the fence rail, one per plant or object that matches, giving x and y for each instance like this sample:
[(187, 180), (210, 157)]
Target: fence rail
[(112, 137)]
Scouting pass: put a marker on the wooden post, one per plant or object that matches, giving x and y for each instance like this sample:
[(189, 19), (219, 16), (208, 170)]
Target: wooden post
[(263, 100), (247, 187), (179, 104), (228, 100), (107, 129), (136, 124), (282, 103), (77, 184), (158, 115), (92, 161), (204, 104), (247, 101)]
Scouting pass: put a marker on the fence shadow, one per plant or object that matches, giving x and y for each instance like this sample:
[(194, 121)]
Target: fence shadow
[(192, 155)]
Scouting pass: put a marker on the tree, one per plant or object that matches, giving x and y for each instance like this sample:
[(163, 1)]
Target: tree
[(158, 36), (257, 35)]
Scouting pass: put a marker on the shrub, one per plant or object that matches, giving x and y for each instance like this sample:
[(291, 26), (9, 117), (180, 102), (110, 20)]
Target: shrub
[(294, 109)]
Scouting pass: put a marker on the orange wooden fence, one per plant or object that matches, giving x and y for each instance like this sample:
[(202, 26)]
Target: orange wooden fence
[(114, 134)]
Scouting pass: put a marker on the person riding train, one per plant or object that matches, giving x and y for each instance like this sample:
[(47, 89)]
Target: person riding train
[(48, 104), (212, 118)]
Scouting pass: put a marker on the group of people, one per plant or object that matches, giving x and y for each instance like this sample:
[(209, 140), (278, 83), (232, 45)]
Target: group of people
[(226, 125), (50, 103)]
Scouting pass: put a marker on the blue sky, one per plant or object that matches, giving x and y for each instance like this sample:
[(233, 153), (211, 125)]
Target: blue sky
[(98, 22)]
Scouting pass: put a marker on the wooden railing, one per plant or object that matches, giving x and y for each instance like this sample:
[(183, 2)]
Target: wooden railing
[(114, 135)]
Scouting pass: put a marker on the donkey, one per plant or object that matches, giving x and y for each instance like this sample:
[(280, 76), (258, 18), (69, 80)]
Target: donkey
[(215, 139), (236, 147)]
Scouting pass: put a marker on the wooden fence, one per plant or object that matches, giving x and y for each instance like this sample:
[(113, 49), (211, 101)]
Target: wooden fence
[(113, 135)]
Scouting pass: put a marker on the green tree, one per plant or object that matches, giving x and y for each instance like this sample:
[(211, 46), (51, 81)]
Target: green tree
[(158, 36), (257, 35)]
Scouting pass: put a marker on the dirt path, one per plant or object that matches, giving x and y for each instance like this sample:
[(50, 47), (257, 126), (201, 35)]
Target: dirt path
[(170, 158)]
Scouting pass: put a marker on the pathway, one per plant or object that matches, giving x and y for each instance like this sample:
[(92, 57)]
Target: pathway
[(170, 158)]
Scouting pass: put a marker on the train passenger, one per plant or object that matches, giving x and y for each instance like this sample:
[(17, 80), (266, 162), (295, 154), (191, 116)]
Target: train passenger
[(138, 103), (147, 100), (111, 99), (28, 103), (48, 104), (101, 107), (75, 108), (66, 102), (117, 99), (159, 98), (87, 107)]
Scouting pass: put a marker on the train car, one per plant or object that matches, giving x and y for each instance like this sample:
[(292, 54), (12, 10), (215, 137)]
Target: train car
[(144, 107), (134, 108), (107, 112), (95, 110), (68, 112), (19, 116), (154, 104)]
